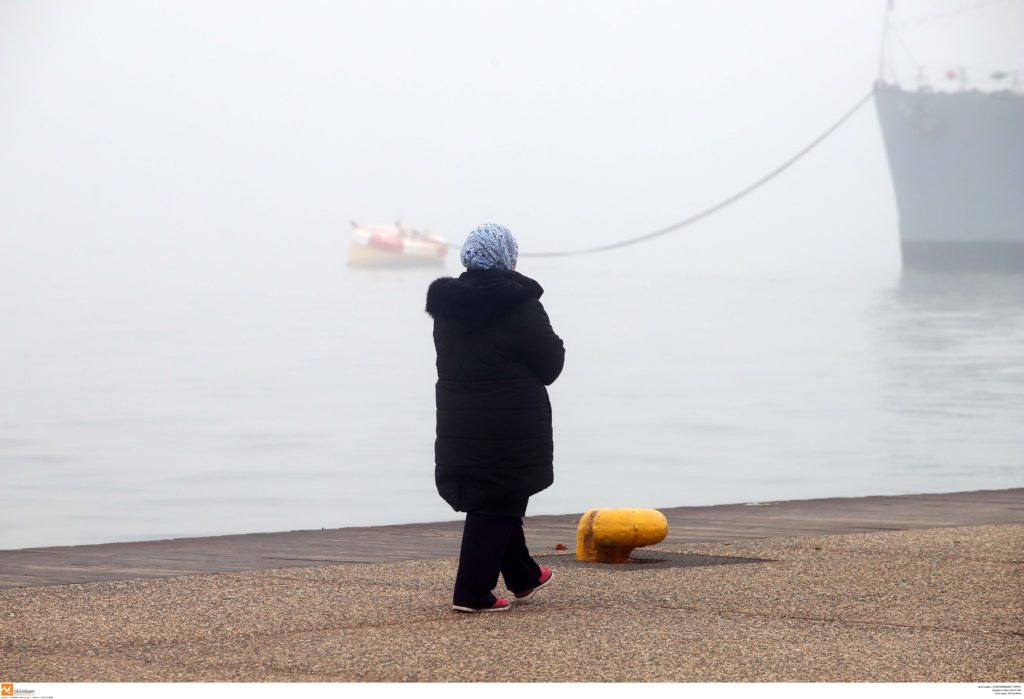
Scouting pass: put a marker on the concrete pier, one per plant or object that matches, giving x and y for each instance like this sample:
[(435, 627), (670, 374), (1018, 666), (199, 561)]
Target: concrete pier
[(226, 554), (903, 589)]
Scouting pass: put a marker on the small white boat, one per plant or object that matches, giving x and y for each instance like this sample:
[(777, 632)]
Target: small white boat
[(395, 246)]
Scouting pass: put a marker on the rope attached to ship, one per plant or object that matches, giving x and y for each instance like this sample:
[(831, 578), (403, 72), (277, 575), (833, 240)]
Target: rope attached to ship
[(713, 209)]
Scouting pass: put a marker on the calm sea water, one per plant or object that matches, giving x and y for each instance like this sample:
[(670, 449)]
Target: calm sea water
[(307, 402)]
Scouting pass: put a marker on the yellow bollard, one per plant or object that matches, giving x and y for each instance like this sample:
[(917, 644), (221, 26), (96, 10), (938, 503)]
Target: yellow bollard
[(609, 536)]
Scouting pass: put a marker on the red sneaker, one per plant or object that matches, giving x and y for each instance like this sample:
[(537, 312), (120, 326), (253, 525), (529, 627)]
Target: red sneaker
[(546, 575), (500, 605)]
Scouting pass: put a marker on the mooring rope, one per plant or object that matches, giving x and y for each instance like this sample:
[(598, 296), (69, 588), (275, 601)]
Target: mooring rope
[(713, 209)]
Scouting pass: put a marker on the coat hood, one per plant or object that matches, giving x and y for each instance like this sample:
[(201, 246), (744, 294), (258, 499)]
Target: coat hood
[(478, 296)]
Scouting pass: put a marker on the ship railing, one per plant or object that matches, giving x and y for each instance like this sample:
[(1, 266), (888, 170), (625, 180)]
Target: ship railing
[(959, 79)]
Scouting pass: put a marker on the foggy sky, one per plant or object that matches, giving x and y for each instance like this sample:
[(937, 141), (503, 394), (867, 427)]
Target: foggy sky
[(220, 140)]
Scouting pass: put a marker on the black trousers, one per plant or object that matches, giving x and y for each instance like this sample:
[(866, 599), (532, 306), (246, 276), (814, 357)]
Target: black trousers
[(493, 542)]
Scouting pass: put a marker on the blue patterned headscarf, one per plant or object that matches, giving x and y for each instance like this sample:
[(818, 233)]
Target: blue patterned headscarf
[(490, 246)]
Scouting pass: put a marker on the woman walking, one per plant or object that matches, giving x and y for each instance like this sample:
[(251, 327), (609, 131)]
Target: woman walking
[(496, 352)]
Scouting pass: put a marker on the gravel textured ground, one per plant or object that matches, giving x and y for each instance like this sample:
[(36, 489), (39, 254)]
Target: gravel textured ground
[(934, 605)]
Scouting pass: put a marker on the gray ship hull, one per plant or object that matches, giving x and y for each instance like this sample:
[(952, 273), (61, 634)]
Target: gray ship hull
[(957, 164)]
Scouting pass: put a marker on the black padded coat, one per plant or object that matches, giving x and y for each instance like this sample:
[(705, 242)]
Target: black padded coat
[(496, 352)]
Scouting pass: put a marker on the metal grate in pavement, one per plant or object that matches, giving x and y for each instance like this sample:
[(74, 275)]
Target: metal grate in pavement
[(646, 559)]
